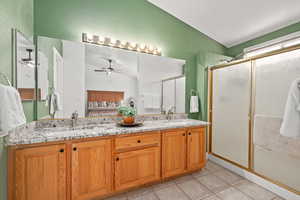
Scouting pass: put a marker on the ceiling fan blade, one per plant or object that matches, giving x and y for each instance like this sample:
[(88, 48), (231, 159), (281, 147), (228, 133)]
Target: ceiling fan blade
[(100, 70)]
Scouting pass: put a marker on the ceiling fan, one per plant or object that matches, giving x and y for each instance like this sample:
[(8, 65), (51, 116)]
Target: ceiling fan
[(108, 70), (112, 68)]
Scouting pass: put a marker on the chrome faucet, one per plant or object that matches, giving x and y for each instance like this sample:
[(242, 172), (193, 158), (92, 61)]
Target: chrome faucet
[(74, 118), (170, 112)]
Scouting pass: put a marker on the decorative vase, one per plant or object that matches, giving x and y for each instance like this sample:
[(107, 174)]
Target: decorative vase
[(128, 120)]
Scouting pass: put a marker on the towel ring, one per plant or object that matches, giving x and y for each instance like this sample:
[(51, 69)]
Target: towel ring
[(194, 92), (6, 79)]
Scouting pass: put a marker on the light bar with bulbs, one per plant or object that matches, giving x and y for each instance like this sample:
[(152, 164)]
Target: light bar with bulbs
[(106, 41)]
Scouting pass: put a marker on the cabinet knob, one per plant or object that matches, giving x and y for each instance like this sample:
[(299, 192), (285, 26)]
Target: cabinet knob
[(190, 133), (62, 150), (74, 149), (117, 159), (139, 141), (183, 134)]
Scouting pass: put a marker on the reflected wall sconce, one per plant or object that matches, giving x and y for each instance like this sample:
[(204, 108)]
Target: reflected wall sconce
[(106, 41), (28, 61)]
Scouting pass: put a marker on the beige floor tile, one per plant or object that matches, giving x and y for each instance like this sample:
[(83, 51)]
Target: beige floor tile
[(163, 185), (201, 172), (228, 176), (139, 192), (232, 194), (212, 198), (255, 191), (213, 183), (171, 193), (183, 179), (149, 196), (194, 190), (211, 166)]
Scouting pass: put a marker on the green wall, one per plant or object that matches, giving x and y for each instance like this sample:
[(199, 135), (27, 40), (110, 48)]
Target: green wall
[(13, 14), (236, 50), (130, 20)]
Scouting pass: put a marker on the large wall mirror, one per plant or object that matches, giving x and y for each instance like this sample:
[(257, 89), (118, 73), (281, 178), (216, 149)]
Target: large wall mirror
[(24, 66), (24, 72), (95, 80)]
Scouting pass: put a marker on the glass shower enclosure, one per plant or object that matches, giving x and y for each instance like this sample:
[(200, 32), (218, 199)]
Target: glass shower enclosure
[(248, 102)]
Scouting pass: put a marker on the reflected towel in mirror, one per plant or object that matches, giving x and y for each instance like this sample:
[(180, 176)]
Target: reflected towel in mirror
[(54, 103)]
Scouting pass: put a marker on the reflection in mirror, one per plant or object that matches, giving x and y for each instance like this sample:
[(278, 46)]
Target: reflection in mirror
[(25, 66), (111, 79), (95, 80), (49, 72)]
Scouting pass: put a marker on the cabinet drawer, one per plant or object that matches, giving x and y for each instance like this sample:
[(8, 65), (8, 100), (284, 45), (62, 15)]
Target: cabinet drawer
[(131, 142)]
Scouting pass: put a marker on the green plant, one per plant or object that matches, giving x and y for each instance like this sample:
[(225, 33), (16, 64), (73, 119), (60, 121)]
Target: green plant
[(127, 111)]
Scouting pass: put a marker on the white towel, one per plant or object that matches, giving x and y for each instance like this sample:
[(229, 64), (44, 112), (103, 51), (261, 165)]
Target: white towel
[(11, 109), (55, 104), (194, 104), (291, 120)]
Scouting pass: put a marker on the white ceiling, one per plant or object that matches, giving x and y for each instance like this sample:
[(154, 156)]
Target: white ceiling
[(233, 22)]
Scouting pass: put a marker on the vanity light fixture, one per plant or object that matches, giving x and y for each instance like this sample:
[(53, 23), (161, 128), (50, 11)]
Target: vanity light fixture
[(106, 41)]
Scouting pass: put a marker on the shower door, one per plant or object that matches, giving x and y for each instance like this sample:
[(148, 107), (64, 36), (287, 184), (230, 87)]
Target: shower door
[(275, 156), (231, 98)]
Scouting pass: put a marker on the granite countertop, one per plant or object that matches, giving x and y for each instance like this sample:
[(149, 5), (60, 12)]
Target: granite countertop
[(41, 135)]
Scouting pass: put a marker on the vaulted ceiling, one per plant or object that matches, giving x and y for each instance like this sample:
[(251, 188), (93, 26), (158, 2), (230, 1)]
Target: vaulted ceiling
[(233, 22)]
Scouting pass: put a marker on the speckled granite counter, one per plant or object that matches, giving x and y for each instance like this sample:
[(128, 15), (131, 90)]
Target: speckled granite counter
[(41, 135)]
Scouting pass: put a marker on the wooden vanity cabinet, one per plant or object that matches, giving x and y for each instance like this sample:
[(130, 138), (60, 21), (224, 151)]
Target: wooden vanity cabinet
[(196, 151), (183, 150), (137, 160), (173, 152), (137, 167), (91, 166), (39, 173)]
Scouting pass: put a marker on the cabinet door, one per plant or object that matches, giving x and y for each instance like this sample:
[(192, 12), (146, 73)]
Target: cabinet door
[(137, 167), (40, 173), (174, 153), (196, 154), (91, 169)]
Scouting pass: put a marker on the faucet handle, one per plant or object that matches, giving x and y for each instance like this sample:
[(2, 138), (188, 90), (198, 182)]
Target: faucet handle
[(74, 115)]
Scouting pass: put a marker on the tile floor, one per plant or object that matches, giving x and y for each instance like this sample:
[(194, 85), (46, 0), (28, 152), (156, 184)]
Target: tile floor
[(211, 183)]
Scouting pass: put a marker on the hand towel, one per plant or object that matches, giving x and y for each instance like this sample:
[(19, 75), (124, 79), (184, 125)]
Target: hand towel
[(55, 104), (291, 120), (11, 109), (194, 104)]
